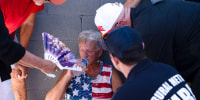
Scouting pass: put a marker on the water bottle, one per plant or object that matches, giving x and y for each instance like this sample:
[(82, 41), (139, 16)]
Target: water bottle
[(83, 65)]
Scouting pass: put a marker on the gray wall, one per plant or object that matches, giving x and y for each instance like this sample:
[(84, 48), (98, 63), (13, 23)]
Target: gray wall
[(65, 21)]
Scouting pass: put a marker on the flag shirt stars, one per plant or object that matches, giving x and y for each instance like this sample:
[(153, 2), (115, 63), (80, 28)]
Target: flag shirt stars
[(84, 87)]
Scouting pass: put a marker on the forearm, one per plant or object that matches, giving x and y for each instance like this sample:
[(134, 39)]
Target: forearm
[(61, 85), (31, 60), (26, 30), (25, 36), (18, 87), (116, 80)]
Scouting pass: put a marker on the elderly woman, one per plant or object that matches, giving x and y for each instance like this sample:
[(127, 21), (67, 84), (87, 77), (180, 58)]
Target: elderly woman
[(100, 80)]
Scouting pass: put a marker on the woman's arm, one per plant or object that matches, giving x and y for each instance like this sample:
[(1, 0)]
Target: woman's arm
[(116, 80), (60, 87)]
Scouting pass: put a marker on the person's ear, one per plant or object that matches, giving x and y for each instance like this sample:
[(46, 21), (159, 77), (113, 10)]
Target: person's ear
[(100, 52), (114, 59)]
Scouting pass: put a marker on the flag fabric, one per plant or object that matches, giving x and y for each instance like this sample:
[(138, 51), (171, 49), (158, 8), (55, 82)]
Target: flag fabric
[(84, 87)]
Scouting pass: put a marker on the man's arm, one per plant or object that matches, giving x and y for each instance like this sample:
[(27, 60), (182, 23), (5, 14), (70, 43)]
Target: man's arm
[(19, 85), (10, 51), (60, 87), (27, 29), (25, 35), (30, 60)]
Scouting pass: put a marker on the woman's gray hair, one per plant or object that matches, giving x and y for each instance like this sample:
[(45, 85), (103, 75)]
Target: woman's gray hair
[(91, 35)]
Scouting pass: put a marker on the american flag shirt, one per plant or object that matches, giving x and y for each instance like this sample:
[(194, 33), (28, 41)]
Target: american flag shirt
[(84, 87)]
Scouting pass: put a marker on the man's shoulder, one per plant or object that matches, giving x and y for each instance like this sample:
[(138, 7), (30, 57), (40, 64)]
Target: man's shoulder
[(164, 67)]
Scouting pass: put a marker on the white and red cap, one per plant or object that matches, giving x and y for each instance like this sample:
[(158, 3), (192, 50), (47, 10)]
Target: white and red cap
[(106, 16)]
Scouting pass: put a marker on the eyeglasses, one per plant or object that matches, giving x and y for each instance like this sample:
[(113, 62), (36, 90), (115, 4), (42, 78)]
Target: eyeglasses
[(105, 36)]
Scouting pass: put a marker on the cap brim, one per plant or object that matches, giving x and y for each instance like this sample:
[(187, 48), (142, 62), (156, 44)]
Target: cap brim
[(58, 2)]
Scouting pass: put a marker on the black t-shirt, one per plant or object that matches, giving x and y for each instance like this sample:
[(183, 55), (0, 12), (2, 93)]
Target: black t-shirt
[(10, 52), (171, 32), (154, 81)]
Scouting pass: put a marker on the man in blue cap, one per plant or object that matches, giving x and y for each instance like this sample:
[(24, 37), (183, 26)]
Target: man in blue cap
[(169, 28), (146, 80)]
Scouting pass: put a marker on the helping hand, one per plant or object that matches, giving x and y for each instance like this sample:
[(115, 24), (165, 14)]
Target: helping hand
[(20, 71), (49, 67)]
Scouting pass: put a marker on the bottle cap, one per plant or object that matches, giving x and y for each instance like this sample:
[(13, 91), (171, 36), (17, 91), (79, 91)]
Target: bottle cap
[(84, 61)]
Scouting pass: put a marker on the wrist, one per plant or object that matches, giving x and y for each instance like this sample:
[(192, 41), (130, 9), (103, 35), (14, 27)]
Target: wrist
[(68, 74), (43, 65)]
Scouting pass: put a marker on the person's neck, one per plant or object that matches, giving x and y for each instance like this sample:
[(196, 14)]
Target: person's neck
[(126, 69), (127, 17), (93, 69), (132, 3)]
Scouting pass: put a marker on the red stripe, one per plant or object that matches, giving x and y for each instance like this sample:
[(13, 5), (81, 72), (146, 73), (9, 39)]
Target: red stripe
[(101, 85), (104, 73), (102, 95), (105, 65)]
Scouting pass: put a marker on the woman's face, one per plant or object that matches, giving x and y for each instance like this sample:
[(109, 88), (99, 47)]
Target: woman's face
[(39, 2), (89, 51)]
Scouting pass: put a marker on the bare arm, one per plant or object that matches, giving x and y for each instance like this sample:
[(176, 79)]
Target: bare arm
[(27, 29), (18, 83), (33, 61), (116, 80), (60, 87), (25, 35)]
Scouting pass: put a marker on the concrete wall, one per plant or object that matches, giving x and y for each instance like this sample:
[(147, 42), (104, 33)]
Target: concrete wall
[(65, 22)]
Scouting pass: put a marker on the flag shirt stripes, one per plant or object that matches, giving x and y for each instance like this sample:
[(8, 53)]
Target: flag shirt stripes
[(84, 87)]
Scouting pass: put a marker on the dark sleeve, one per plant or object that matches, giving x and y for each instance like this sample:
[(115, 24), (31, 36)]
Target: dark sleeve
[(10, 52)]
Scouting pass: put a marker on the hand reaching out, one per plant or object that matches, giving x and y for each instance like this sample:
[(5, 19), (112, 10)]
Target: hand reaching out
[(49, 67)]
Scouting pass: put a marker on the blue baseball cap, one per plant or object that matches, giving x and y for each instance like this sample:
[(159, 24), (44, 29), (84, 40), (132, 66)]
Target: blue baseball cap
[(124, 42)]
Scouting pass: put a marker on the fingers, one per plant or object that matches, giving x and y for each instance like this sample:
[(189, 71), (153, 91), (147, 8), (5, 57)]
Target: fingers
[(12, 74), (57, 69), (21, 71), (50, 67), (17, 73), (24, 73), (53, 68)]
